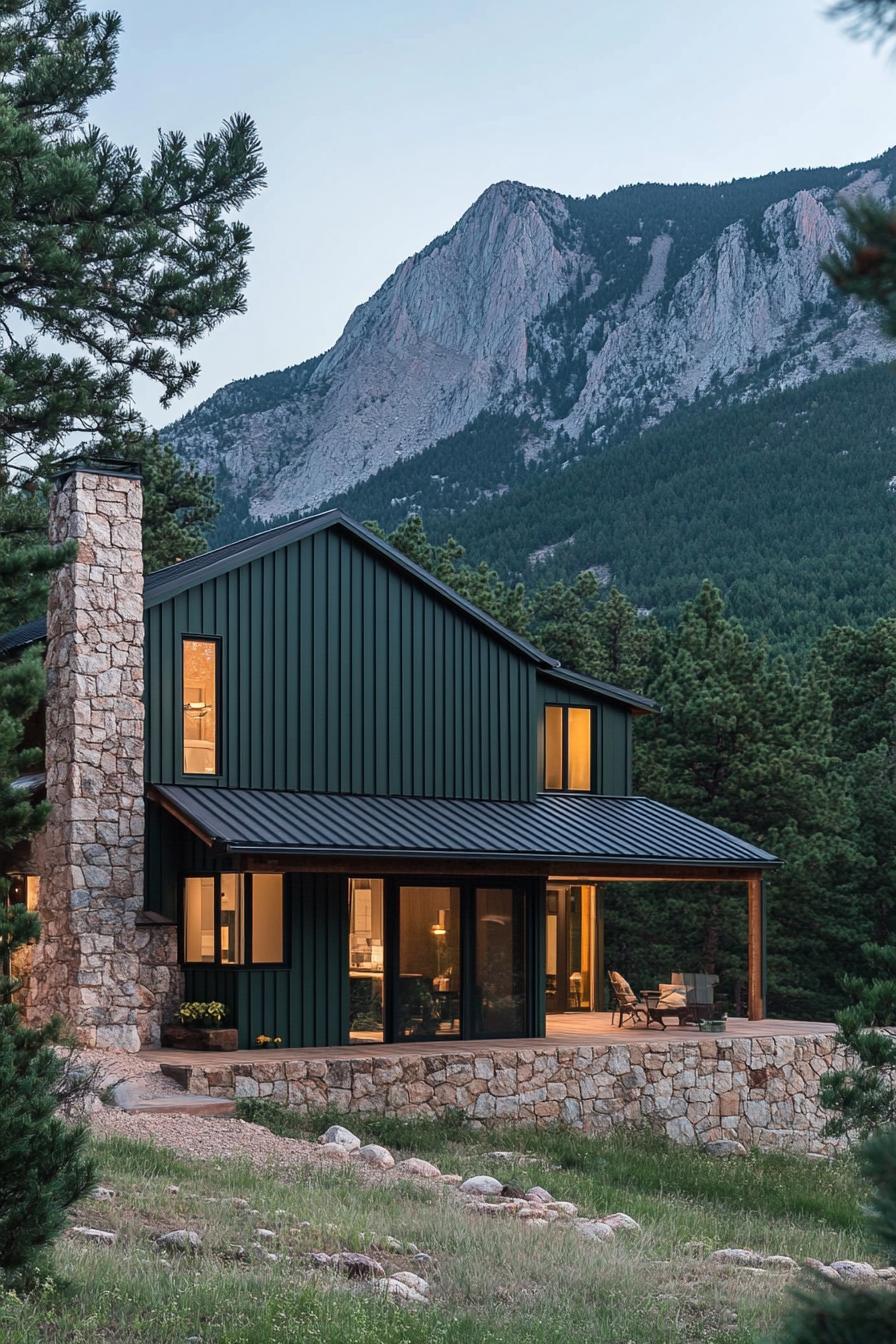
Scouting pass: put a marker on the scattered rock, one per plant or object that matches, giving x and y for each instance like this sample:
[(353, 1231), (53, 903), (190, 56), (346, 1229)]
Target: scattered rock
[(416, 1166), (422, 1258), (376, 1156), (539, 1195), (482, 1185), (733, 1255), (357, 1266), (538, 1212), (265, 1234), (334, 1150), (778, 1262), (452, 1179), (493, 1210), (563, 1206), (173, 1190), (181, 1240), (724, 1148), (500, 1155), (826, 1271), (594, 1229), (393, 1244), (402, 1291), (413, 1281), (887, 1274), (239, 1203), (319, 1258), (338, 1134), (855, 1271), (102, 1192), (621, 1220), (96, 1234)]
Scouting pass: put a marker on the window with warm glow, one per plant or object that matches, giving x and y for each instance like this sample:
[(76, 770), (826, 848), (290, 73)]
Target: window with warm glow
[(568, 733), (24, 889), (234, 919), (200, 706), (267, 917)]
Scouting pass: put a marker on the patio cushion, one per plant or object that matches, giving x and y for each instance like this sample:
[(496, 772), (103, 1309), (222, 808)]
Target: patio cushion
[(672, 996), (622, 987)]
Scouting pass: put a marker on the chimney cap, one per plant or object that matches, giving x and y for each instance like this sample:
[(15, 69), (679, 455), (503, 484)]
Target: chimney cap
[(97, 466)]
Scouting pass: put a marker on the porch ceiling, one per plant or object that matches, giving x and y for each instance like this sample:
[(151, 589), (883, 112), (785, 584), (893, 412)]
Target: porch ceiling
[(554, 830)]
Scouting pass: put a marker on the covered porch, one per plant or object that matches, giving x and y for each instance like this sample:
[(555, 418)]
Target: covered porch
[(425, 921)]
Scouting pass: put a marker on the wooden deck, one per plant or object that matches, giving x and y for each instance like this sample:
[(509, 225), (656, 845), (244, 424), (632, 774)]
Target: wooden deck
[(563, 1029)]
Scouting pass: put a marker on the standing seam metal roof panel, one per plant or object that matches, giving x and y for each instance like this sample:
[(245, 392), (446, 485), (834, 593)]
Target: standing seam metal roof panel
[(553, 827)]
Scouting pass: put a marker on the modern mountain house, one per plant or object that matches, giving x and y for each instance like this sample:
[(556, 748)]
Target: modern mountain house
[(300, 775)]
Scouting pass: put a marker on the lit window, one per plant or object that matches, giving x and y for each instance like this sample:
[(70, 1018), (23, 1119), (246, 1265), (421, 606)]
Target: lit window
[(200, 706), (199, 919), (24, 889), (219, 911), (267, 917), (567, 748)]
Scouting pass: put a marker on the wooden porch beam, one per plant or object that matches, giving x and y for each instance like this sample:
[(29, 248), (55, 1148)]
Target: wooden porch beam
[(755, 949)]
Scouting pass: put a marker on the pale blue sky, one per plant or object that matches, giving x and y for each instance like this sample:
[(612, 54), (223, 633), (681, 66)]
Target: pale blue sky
[(382, 121)]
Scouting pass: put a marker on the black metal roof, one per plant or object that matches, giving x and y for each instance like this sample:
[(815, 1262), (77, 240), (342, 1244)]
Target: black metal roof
[(165, 583), (554, 828)]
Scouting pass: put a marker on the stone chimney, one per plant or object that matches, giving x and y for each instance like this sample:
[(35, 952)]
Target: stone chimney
[(96, 964)]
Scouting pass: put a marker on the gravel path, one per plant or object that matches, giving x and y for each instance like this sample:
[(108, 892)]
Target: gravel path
[(212, 1138)]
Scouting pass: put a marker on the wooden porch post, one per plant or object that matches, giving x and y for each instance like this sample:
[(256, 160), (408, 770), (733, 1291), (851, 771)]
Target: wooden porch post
[(755, 949)]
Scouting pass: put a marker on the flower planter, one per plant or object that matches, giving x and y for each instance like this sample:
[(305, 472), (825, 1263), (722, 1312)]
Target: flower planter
[(177, 1037)]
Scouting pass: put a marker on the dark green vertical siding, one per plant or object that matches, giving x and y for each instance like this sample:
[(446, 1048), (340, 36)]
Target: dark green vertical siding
[(613, 772), (341, 674), (305, 1002)]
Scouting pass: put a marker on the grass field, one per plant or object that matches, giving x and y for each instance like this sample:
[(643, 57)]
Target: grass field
[(492, 1280)]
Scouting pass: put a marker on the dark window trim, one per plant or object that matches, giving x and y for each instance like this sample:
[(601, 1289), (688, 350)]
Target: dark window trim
[(248, 964), (564, 747), (215, 776)]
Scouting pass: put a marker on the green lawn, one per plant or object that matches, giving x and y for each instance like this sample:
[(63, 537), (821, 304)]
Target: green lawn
[(492, 1280)]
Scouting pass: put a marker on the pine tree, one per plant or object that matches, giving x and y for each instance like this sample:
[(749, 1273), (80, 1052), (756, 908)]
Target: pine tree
[(44, 1166), (862, 1095), (843, 1313)]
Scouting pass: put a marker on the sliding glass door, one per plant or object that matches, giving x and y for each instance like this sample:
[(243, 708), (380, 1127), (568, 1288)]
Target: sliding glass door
[(428, 1001), (500, 962)]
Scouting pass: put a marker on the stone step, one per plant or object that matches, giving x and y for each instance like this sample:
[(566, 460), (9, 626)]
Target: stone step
[(188, 1104)]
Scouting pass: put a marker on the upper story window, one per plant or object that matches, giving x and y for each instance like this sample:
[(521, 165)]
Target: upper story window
[(234, 919), (200, 681), (567, 748)]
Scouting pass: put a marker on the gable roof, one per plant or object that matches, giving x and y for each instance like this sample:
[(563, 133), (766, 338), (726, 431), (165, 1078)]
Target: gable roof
[(166, 583)]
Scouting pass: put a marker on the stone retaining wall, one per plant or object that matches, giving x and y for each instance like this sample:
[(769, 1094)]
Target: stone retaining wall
[(762, 1091)]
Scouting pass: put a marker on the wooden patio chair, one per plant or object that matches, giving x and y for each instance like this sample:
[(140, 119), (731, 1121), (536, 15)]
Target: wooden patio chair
[(626, 1001)]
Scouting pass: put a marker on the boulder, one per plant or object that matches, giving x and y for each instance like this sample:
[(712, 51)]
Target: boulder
[(733, 1255), (96, 1234), (334, 1150), (403, 1292), (319, 1259), (102, 1192), (413, 1281), (818, 1267), (539, 1195), (563, 1206), (342, 1137), (855, 1271), (783, 1262), (416, 1166), (621, 1220), (594, 1229), (180, 1240), (482, 1185), (724, 1148), (357, 1266), (375, 1156), (421, 1258)]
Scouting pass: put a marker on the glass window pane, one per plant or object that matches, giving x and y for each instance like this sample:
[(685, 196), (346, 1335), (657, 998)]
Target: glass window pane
[(200, 710), (199, 919), (579, 748), (232, 919), (553, 747), (580, 945), (267, 917), (428, 962), (500, 988), (365, 958)]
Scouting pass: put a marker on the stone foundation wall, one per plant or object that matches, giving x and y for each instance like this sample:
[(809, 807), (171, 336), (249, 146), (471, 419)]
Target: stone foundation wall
[(761, 1091)]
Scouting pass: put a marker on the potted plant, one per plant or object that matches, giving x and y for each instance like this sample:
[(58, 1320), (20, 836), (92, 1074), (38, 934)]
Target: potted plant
[(268, 1042), (199, 1027)]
